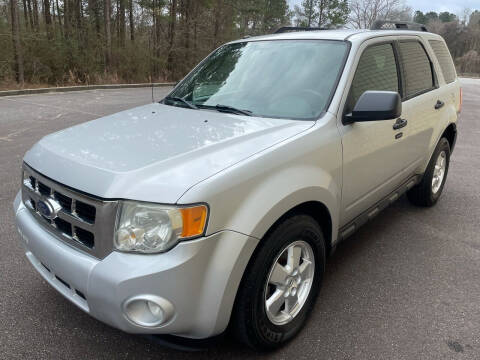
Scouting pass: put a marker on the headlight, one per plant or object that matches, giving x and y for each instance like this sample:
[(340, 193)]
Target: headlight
[(152, 228)]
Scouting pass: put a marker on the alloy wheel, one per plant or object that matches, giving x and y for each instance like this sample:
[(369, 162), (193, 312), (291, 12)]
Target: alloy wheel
[(289, 282)]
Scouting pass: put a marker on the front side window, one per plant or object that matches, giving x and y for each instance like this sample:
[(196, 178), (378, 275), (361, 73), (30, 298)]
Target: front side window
[(417, 68), (280, 79), (376, 70)]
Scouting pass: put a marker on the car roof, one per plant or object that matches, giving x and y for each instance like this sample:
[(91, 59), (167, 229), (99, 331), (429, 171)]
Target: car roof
[(353, 35)]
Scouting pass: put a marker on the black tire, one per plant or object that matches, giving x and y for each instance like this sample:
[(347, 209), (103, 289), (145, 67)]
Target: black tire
[(422, 194), (250, 322)]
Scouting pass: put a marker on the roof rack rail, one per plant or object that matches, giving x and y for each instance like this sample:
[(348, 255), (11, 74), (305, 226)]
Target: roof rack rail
[(397, 25), (285, 29)]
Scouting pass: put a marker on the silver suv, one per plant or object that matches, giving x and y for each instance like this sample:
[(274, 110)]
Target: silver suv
[(219, 204)]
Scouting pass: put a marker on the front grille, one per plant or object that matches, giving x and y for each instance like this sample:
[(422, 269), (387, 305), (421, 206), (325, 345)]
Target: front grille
[(64, 226), (33, 182), (81, 220), (85, 237), (43, 189), (65, 201), (86, 212)]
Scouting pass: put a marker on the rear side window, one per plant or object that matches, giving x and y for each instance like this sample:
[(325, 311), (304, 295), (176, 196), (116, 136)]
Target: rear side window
[(417, 68), (377, 70), (445, 60)]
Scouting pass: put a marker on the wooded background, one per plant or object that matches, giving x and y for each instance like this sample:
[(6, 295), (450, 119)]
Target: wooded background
[(69, 42)]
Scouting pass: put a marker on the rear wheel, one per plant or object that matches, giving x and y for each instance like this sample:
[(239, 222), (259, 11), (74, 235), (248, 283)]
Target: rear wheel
[(281, 284), (428, 191)]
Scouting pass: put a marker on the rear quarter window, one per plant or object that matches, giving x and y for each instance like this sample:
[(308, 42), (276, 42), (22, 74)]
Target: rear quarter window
[(445, 60), (417, 68)]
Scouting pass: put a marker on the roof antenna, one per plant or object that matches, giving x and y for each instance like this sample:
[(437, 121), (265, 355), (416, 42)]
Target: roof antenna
[(151, 80)]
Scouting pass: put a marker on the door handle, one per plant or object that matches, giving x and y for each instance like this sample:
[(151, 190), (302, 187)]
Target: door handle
[(400, 123), (439, 104)]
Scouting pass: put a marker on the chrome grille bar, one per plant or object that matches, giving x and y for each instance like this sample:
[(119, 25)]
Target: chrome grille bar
[(82, 221)]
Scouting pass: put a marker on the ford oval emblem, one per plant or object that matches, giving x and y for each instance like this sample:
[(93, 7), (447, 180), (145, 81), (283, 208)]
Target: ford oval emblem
[(48, 208), (44, 209)]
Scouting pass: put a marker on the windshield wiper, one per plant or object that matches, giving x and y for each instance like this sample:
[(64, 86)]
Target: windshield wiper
[(183, 101), (233, 110)]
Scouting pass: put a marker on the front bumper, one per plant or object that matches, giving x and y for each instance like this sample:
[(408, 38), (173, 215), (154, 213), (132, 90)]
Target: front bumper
[(199, 278)]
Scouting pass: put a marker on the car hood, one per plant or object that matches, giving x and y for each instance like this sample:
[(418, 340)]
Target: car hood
[(154, 152)]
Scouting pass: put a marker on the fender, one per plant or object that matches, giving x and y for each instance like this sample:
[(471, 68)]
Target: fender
[(251, 196)]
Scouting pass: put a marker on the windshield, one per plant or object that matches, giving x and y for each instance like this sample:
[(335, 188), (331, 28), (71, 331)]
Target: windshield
[(280, 79)]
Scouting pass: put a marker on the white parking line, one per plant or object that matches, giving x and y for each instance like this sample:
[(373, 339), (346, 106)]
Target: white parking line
[(52, 107)]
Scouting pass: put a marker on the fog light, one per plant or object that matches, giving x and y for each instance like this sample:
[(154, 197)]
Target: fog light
[(155, 309), (148, 310)]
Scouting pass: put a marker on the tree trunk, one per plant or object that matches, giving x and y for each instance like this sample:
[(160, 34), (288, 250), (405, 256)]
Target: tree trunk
[(171, 38), (54, 18), (121, 23), (310, 12), (157, 50), (59, 17), (53, 13), (66, 18), (30, 15), (321, 13), (186, 30), (216, 25), (48, 18), (195, 28), (132, 25), (25, 13), (17, 45), (95, 13), (35, 15), (155, 32), (108, 35), (78, 15)]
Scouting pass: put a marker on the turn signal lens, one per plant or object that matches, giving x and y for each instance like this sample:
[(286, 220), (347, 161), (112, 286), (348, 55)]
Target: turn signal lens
[(194, 219)]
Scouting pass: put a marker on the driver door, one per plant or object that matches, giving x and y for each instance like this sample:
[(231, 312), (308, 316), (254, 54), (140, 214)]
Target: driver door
[(373, 156)]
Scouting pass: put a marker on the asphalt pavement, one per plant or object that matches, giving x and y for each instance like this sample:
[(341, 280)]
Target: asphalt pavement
[(406, 286)]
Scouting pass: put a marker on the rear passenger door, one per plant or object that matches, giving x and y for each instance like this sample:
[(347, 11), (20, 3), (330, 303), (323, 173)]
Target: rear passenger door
[(419, 102), (374, 156), (448, 91)]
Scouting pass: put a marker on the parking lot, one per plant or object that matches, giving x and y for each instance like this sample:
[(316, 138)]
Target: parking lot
[(406, 286)]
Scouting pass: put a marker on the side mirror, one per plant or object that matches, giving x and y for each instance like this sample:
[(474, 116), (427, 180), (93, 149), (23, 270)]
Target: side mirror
[(375, 105)]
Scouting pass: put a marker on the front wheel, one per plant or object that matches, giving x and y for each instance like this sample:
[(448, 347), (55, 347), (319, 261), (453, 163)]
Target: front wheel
[(428, 191), (281, 284)]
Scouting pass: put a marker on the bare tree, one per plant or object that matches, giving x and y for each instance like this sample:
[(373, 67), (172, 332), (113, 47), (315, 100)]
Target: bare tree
[(363, 13)]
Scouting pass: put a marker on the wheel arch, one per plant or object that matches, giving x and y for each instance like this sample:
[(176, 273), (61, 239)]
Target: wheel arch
[(318, 211), (450, 133)]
